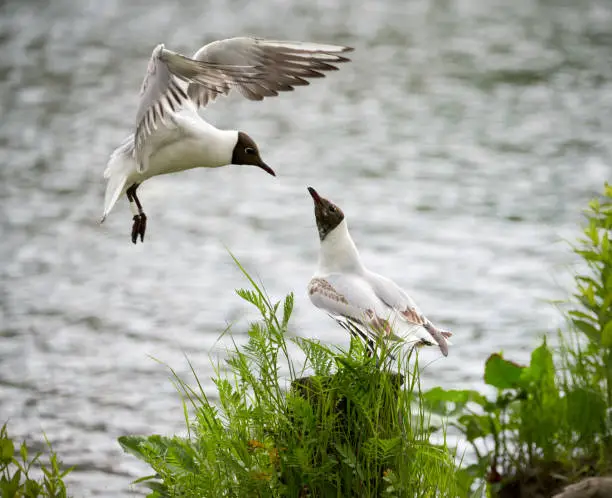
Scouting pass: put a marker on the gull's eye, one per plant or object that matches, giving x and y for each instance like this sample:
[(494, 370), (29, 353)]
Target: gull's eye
[(332, 208), (249, 150)]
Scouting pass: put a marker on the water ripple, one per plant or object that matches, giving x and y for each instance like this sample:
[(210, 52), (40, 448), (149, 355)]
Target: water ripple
[(462, 143)]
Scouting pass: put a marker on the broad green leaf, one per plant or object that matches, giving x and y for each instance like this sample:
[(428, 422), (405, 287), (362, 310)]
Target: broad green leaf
[(501, 373), (32, 488), (437, 399), (7, 450), (541, 362)]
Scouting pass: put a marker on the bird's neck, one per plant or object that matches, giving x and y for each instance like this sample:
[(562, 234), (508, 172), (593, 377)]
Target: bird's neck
[(338, 252), (222, 145), (218, 145), (215, 144)]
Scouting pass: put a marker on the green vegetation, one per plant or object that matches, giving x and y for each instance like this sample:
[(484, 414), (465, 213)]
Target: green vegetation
[(16, 470), (356, 429), (347, 430), (360, 426), (549, 424)]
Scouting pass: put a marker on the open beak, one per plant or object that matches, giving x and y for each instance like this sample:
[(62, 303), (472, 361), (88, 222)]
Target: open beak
[(316, 197), (266, 168)]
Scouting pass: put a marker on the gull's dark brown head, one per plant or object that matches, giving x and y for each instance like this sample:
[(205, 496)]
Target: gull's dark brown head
[(247, 153), (327, 214)]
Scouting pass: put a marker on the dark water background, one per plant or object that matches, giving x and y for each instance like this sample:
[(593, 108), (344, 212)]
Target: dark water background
[(462, 142)]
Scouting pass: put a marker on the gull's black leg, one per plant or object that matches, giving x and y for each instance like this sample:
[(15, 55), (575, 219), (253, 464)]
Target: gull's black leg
[(143, 217), (140, 219), (354, 328)]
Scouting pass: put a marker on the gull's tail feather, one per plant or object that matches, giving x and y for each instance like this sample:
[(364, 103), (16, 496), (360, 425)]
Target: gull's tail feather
[(440, 336), (425, 334), (114, 188), (117, 172)]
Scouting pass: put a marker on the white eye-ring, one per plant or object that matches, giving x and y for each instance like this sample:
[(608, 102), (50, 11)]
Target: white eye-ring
[(332, 208), (249, 150)]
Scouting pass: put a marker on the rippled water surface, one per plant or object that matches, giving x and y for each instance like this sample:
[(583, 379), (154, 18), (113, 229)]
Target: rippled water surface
[(462, 142)]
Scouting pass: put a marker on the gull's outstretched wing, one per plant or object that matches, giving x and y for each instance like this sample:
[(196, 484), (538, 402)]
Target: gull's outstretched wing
[(283, 65), (161, 92)]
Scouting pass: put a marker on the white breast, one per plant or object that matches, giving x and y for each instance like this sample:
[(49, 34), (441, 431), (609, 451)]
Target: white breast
[(189, 143), (338, 253)]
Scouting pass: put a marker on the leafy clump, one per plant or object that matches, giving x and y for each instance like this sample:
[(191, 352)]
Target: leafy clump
[(549, 423), (348, 429), (16, 480), (523, 423)]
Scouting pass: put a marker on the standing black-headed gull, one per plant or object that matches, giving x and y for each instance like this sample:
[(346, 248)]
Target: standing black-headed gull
[(358, 298), (170, 136)]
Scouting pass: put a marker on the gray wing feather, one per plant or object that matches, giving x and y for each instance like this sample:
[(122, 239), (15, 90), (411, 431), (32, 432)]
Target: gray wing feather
[(355, 306), (283, 64), (391, 293), (366, 303), (343, 295), (161, 93), (348, 302), (395, 297)]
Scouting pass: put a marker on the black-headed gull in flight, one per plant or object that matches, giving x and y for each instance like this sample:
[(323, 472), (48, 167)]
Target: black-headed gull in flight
[(170, 136), (358, 298)]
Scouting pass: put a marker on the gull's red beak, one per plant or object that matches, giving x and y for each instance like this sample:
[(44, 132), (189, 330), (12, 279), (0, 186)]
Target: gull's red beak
[(316, 197)]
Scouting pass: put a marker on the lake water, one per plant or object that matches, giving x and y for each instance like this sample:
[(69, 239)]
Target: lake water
[(462, 142)]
